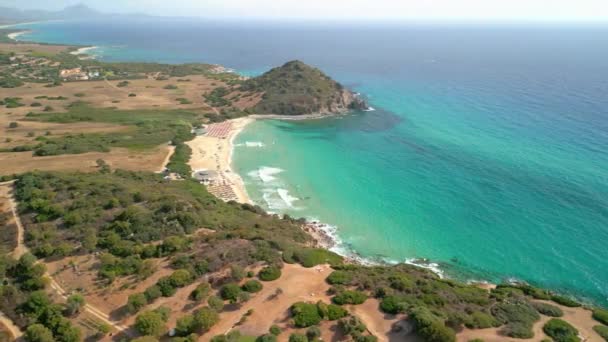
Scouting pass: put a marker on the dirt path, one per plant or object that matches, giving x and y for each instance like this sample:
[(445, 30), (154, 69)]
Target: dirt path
[(167, 158), (22, 249), (8, 323)]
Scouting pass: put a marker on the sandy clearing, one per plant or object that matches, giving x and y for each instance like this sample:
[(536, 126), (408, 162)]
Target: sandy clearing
[(297, 284), (80, 273), (384, 326)]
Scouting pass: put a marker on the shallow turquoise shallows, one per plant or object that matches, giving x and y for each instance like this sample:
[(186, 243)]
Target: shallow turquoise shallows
[(486, 154)]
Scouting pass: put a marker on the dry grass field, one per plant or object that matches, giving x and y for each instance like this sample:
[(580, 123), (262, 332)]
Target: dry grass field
[(33, 48), (149, 94)]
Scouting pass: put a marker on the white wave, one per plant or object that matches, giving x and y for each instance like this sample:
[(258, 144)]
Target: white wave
[(273, 201), (339, 247), (434, 267), (254, 144), (369, 109), (288, 199), (266, 174)]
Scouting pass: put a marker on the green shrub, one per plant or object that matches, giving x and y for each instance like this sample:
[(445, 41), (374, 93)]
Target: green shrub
[(517, 330), (430, 327), (252, 286), (38, 333), (152, 293), (216, 303), (313, 333), (122, 84), (184, 325), (600, 315), (298, 338), (392, 305), (180, 278), (310, 257), (601, 330), (135, 302), (13, 124), (349, 297), (275, 330), (481, 320), (565, 301), (204, 319), (548, 309), (230, 292), (519, 317), (266, 338), (305, 314), (335, 312), (150, 323), (351, 326), (561, 331), (270, 273), (183, 101), (200, 292), (339, 278)]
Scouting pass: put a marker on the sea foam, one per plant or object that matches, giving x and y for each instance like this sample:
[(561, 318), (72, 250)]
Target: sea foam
[(254, 144), (265, 174)]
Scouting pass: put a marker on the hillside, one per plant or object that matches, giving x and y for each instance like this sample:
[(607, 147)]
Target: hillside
[(151, 250), (297, 88)]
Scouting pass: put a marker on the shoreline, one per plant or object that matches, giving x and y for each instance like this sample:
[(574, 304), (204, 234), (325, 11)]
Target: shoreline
[(82, 52), (15, 35)]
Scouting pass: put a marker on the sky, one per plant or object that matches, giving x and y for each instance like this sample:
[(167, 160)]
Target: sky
[(486, 10)]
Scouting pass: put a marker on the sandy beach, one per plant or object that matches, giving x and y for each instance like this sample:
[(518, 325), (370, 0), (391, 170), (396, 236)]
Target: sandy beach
[(214, 152), (15, 35), (84, 51)]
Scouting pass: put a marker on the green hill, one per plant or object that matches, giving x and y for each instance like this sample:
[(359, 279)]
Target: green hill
[(296, 88)]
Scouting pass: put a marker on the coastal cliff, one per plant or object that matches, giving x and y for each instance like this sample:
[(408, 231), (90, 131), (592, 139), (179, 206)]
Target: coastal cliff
[(297, 89)]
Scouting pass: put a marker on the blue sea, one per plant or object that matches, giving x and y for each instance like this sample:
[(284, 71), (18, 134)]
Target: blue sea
[(486, 154)]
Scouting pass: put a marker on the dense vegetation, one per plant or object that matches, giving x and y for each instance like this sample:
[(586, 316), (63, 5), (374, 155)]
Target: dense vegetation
[(122, 212), (121, 215), (293, 89), (146, 128), (561, 331), (23, 299), (441, 307)]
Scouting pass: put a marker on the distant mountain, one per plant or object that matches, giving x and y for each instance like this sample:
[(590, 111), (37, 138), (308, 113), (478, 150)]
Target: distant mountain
[(297, 88), (81, 11)]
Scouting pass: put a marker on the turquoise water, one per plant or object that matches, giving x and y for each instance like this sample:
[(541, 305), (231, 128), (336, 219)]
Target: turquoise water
[(487, 151)]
